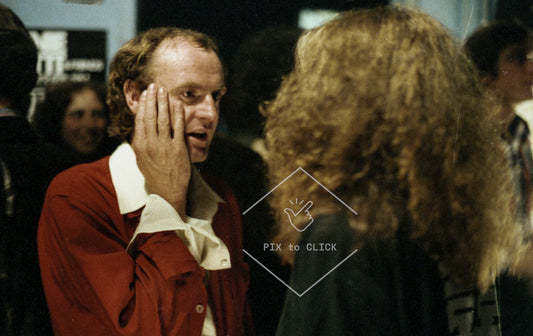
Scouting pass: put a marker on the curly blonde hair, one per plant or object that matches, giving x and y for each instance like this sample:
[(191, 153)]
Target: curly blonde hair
[(132, 61), (385, 111)]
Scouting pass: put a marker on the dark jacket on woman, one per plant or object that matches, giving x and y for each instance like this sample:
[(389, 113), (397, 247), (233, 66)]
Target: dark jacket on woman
[(388, 287)]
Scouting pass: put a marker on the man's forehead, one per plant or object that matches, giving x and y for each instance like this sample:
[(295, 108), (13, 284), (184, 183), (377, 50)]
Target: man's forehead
[(177, 61), (179, 45), (176, 42), (183, 52)]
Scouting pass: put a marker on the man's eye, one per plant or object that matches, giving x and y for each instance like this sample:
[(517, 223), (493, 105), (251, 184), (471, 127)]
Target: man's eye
[(189, 94), (217, 96)]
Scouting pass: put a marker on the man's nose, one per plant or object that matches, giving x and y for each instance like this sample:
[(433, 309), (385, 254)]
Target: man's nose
[(207, 109)]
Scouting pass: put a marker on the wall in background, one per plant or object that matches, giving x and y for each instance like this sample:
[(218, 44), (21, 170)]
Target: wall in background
[(230, 19), (461, 17), (117, 17)]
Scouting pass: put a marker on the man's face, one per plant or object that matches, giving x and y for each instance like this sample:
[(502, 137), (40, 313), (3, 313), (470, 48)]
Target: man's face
[(514, 74), (195, 77)]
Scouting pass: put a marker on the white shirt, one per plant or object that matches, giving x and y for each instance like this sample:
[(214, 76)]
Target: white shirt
[(158, 215)]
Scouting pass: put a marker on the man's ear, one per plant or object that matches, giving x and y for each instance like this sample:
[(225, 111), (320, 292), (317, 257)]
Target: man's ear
[(132, 93)]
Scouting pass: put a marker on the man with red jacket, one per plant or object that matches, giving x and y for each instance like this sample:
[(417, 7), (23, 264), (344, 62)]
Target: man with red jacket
[(139, 243)]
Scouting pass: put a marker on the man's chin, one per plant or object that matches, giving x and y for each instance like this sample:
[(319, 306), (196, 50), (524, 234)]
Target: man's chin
[(198, 157)]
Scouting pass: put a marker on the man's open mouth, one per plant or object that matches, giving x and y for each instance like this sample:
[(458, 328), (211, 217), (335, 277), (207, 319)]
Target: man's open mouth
[(197, 135)]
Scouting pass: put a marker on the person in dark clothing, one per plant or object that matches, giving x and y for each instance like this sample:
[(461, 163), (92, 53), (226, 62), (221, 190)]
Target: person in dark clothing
[(257, 68), (385, 111), (500, 53), (27, 166)]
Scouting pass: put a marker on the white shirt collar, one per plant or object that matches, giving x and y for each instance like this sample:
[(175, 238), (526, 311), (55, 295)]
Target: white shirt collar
[(197, 233), (132, 195)]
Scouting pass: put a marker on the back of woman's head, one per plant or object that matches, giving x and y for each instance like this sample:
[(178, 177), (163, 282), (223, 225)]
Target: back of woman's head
[(385, 111)]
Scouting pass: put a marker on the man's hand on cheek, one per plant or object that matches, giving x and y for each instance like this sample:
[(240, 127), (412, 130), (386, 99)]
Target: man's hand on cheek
[(162, 155)]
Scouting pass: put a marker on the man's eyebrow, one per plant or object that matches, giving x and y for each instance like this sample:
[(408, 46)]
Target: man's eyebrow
[(187, 85), (222, 88), (194, 85)]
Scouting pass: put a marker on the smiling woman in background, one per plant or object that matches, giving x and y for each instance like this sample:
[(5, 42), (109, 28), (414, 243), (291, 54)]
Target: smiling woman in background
[(386, 112), (74, 116)]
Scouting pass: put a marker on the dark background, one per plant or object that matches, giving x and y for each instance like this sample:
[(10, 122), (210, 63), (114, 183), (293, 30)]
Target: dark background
[(231, 21)]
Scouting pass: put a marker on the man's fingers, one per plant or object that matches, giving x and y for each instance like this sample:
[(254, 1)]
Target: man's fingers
[(139, 133), (163, 124), (150, 113), (179, 122)]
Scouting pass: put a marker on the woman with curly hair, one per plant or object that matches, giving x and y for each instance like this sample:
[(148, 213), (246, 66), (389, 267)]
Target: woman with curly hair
[(385, 111), (74, 116)]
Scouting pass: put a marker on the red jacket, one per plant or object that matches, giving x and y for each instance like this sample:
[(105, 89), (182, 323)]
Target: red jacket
[(94, 287)]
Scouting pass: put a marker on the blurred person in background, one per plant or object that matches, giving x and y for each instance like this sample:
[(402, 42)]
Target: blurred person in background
[(500, 51), (256, 73), (74, 116), (26, 167), (257, 68), (385, 111)]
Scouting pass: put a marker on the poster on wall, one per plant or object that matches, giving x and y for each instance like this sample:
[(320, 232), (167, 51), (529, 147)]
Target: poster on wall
[(68, 55)]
